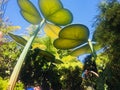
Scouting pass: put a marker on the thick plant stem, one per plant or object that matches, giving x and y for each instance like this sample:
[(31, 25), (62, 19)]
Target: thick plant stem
[(92, 49), (18, 66)]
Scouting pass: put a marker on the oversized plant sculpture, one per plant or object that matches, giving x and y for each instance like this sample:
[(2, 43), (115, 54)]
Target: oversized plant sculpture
[(69, 37), (53, 11)]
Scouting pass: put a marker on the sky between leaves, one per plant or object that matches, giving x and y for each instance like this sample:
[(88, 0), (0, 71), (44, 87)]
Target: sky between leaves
[(84, 12)]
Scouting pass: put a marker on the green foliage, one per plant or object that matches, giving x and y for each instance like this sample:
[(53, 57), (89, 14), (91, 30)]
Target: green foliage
[(71, 78), (107, 33), (70, 73), (3, 84), (38, 63), (38, 69), (69, 61), (45, 43), (102, 62), (107, 28), (8, 58), (19, 86), (89, 64), (42, 65), (89, 78), (7, 28)]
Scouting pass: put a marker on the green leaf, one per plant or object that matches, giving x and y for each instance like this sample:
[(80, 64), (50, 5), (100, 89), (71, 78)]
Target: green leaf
[(75, 31), (84, 49), (20, 40), (47, 56), (61, 43), (49, 7), (72, 36), (57, 61), (29, 12), (54, 12), (61, 17), (52, 30)]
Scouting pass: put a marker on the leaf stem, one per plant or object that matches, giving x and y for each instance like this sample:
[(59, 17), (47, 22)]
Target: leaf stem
[(92, 49), (18, 66)]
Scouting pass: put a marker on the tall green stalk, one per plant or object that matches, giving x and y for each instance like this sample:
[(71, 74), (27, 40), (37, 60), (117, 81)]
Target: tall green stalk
[(18, 66), (92, 49)]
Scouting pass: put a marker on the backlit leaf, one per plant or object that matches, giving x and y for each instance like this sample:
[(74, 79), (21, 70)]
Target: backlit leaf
[(52, 30), (49, 7), (72, 36), (47, 56), (57, 61), (30, 18), (61, 17), (29, 11), (20, 40), (84, 49), (67, 43), (75, 31), (54, 12)]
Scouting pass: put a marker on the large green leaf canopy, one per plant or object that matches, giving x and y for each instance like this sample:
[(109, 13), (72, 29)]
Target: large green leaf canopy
[(54, 11), (72, 36)]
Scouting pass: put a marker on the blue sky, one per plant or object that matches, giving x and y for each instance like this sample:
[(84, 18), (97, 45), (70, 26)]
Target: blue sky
[(83, 11)]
